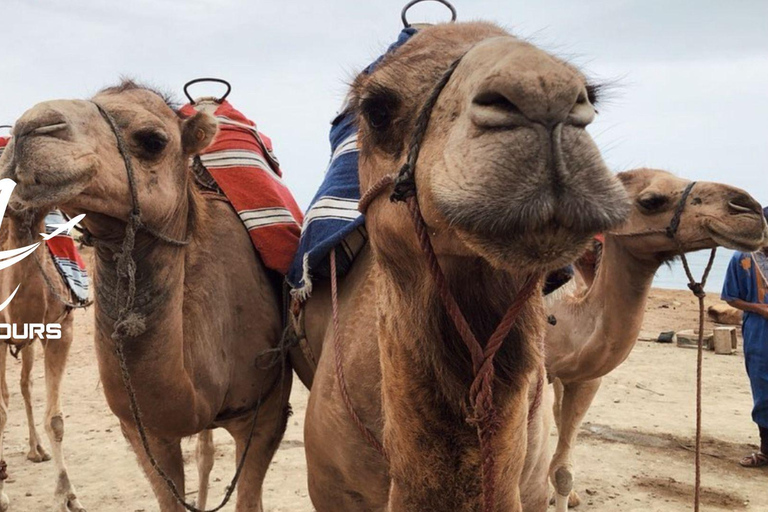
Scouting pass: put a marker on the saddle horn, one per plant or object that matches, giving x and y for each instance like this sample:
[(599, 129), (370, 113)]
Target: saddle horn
[(404, 14), (214, 80)]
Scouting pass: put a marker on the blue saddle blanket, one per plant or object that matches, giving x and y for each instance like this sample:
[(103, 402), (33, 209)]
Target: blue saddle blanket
[(332, 220)]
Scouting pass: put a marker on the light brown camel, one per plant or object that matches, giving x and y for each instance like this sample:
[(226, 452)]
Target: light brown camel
[(205, 313), (597, 327), (509, 183), (36, 303)]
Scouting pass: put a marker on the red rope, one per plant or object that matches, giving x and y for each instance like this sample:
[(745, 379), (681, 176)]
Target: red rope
[(337, 348), (481, 390)]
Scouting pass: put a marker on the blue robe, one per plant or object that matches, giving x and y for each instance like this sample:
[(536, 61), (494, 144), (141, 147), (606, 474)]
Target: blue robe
[(744, 281)]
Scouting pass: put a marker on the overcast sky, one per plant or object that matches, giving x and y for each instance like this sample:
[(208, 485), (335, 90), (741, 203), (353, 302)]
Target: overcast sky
[(692, 75)]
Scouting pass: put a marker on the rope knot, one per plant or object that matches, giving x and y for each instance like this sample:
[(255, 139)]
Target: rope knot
[(697, 289), (405, 185), (130, 326)]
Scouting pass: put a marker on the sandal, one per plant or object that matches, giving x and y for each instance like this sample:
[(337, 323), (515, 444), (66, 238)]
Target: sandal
[(755, 460)]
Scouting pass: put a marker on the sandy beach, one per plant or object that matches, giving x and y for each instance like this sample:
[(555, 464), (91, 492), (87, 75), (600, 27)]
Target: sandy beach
[(634, 452)]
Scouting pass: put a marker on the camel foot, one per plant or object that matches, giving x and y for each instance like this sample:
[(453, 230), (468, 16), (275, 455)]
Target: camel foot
[(72, 504), (38, 454), (4, 502), (574, 500)]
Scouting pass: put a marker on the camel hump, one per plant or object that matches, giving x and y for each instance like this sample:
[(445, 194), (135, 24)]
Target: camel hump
[(242, 163)]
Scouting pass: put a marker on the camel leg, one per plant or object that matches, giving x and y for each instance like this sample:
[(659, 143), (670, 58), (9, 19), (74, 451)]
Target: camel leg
[(167, 453), (4, 502), (36, 451), (575, 400), (557, 385), (270, 427), (205, 453), (56, 353)]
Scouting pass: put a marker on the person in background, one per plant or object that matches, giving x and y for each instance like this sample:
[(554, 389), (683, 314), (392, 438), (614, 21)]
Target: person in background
[(746, 288)]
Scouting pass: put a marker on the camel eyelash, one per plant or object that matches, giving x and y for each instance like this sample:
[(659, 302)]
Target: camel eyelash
[(594, 93)]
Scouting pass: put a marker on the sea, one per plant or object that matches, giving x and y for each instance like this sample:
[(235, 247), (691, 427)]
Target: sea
[(673, 276)]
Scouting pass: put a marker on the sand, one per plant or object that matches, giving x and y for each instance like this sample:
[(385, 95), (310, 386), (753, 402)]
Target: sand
[(634, 450)]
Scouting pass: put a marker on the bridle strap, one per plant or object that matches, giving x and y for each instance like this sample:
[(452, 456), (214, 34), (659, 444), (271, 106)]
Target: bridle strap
[(674, 224), (134, 219), (405, 184)]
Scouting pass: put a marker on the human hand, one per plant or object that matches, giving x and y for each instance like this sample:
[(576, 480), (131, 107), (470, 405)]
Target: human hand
[(762, 310)]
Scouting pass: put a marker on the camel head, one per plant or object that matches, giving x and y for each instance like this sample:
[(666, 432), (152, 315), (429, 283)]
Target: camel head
[(65, 153), (714, 215), (507, 170)]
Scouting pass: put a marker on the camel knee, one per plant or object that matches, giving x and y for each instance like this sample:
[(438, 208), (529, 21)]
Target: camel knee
[(55, 428), (562, 479)]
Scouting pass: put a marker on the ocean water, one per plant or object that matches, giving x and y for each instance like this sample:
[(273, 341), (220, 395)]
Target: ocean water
[(674, 277)]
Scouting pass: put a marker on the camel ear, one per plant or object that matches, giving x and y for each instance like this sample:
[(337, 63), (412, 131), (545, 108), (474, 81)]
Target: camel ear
[(198, 132), (625, 177)]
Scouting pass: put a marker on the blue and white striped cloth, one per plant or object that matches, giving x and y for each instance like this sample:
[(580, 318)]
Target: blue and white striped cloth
[(333, 220)]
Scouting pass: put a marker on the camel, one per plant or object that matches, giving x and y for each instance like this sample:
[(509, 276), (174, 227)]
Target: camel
[(598, 325), (510, 185), (36, 303), (206, 309)]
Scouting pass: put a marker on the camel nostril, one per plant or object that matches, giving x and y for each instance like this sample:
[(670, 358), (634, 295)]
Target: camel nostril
[(496, 101), (48, 122), (744, 204), (493, 110), (49, 129)]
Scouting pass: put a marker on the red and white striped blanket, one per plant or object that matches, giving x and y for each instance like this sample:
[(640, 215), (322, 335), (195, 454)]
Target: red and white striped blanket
[(241, 161)]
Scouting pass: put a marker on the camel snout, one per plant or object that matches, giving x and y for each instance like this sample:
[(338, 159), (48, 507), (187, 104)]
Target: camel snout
[(525, 86)]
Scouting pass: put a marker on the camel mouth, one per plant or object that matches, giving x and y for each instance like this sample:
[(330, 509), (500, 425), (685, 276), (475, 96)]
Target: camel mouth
[(542, 250), (39, 195), (38, 187), (746, 241)]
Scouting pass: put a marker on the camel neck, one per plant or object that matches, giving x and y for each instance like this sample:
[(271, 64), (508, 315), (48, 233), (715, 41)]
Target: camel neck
[(160, 274), (426, 377), (617, 297)]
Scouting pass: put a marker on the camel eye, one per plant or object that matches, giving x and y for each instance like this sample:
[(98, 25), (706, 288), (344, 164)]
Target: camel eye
[(652, 202), (379, 109), (151, 142)]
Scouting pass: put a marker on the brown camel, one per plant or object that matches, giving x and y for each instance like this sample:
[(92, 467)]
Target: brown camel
[(204, 313), (598, 326), (509, 184), (36, 303)]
